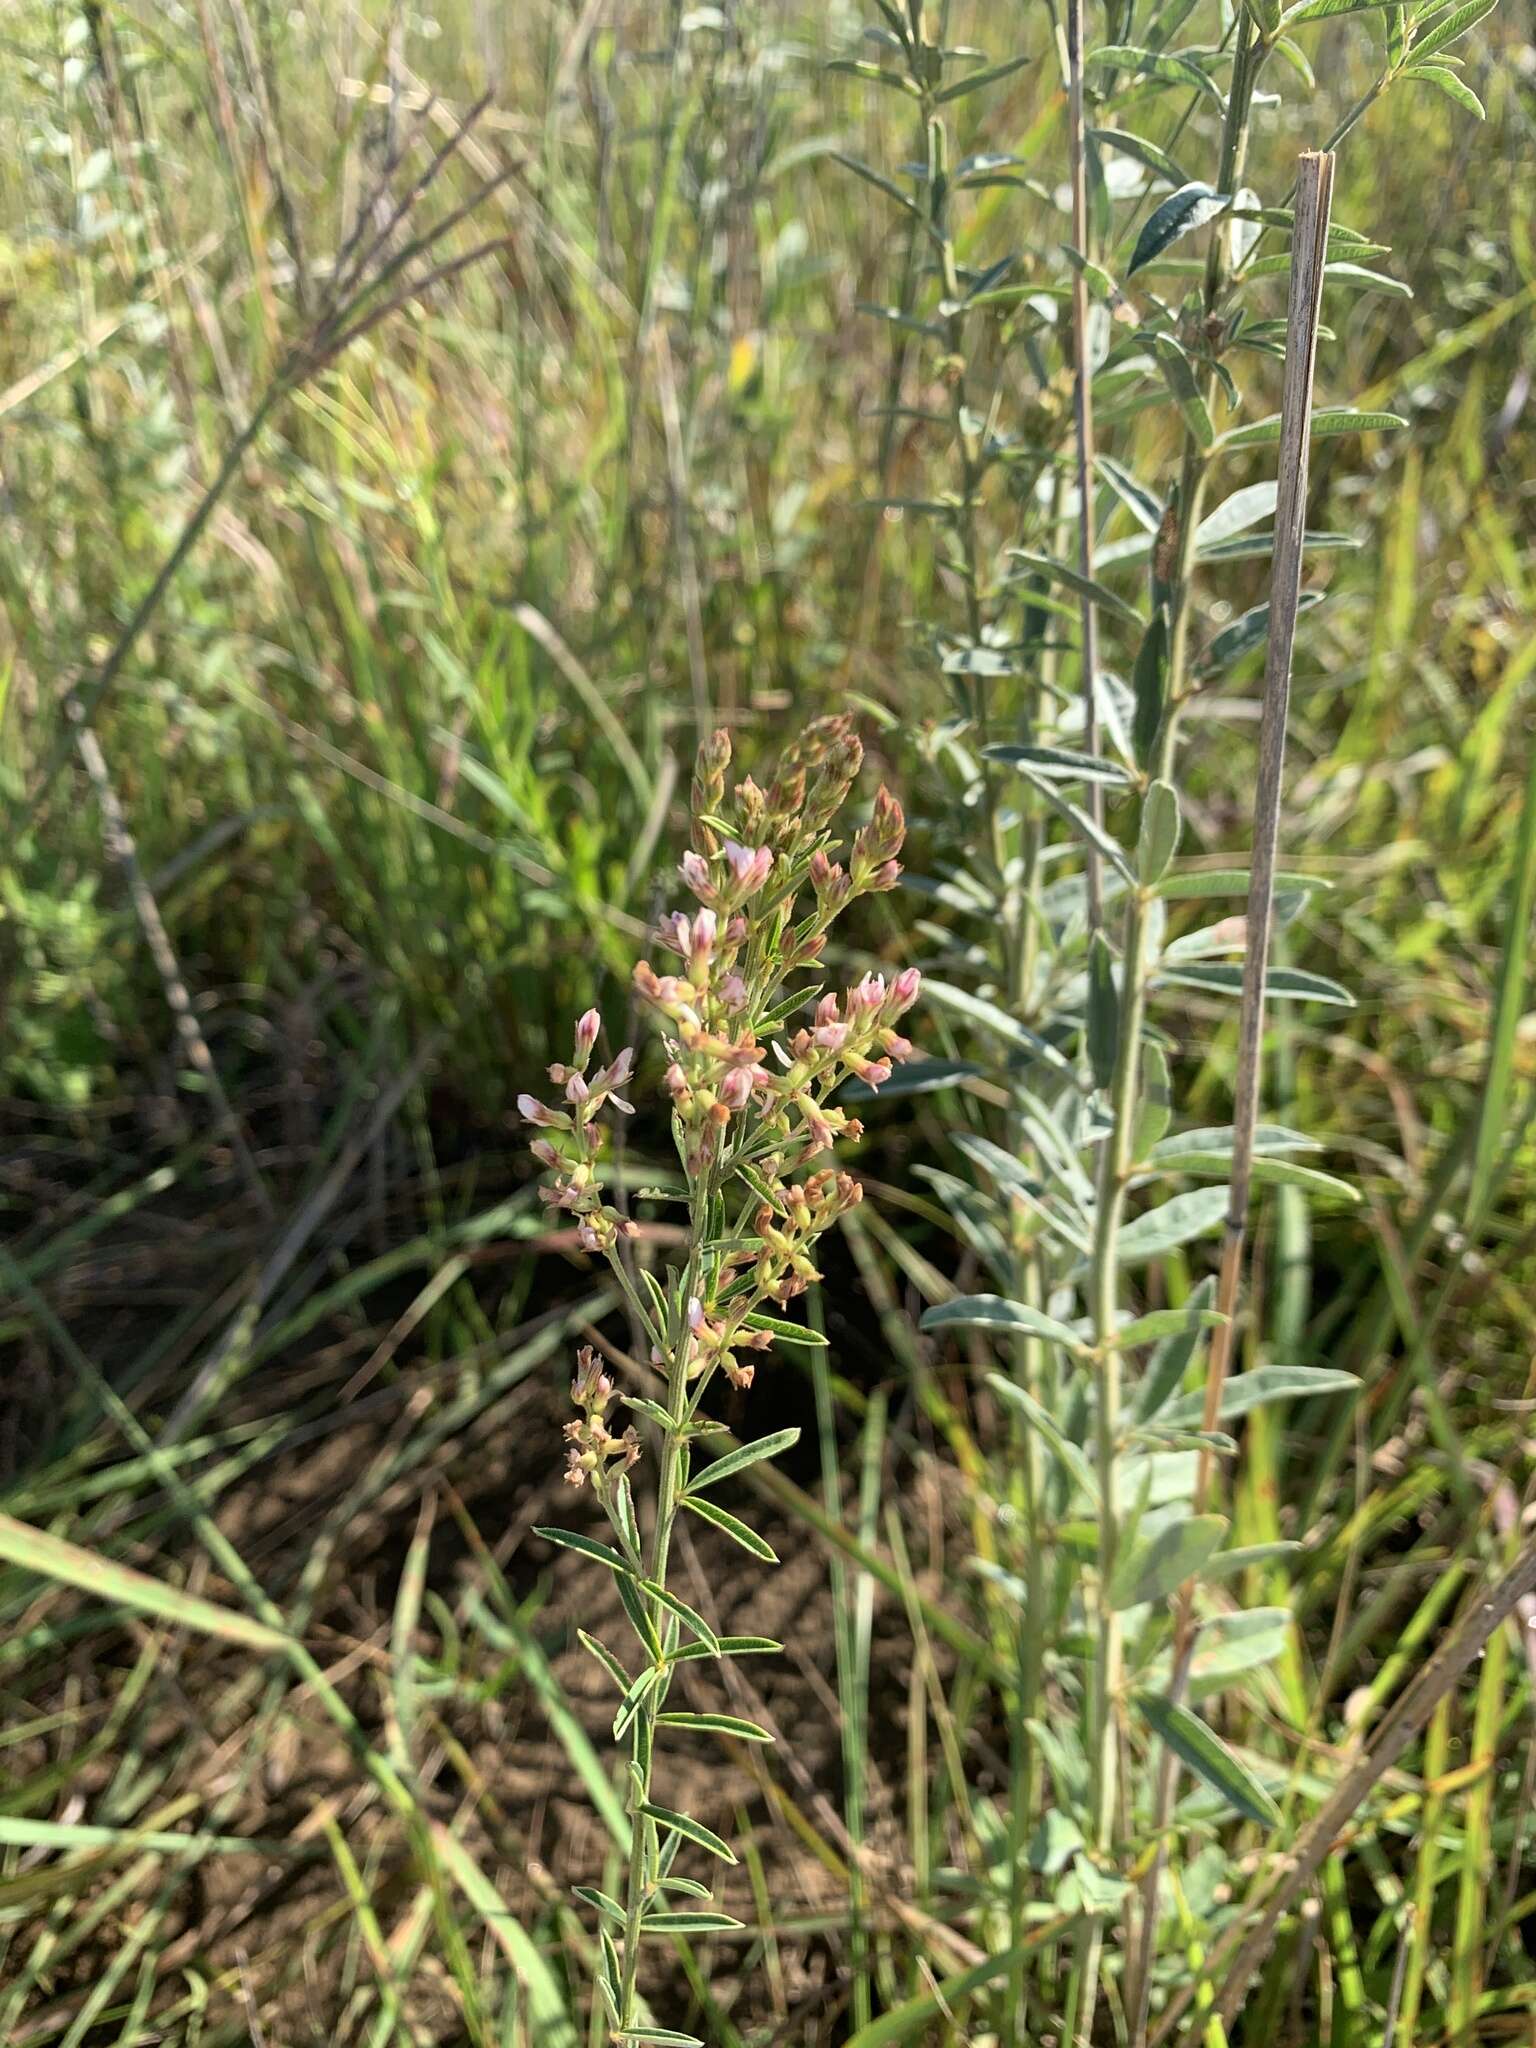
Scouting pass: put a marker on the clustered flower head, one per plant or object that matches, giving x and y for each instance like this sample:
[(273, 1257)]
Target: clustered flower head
[(575, 1139), (750, 1087), (593, 1448)]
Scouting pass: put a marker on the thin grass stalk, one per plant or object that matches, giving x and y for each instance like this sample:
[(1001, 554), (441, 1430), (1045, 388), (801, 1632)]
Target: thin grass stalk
[(1243, 1953), (1082, 408), (1314, 196), (1309, 249)]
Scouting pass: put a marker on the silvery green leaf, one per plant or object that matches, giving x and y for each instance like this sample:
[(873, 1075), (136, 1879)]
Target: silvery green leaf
[(1173, 1223), (1148, 682), (1265, 1383), (1060, 764), (1329, 420), (996, 1312), (1103, 1032), (1193, 206), (1158, 839), (1282, 984), (1085, 586), (1070, 1454), (1170, 1361), (1154, 1567), (1245, 508), (1196, 883), (1198, 1745)]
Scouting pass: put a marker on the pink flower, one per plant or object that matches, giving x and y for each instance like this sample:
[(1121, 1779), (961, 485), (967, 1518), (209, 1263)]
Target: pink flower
[(588, 1024), (544, 1152), (532, 1111), (695, 870), (826, 1010), (905, 988), (576, 1090), (869, 994), (736, 1089), (733, 992), (749, 866), (873, 1072)]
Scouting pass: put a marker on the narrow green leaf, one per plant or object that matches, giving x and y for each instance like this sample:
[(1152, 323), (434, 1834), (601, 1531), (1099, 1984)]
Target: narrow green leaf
[(1172, 1224), (1202, 882), (691, 1831), (1158, 840), (1281, 984), (1103, 1019), (688, 1616), (606, 1658), (716, 1724), (743, 1456), (1198, 1746), (995, 1312), (1191, 207), (1164, 1322), (1070, 1454), (1060, 764), (1179, 375), (1265, 1383), (1454, 88), (51, 1557), (1335, 419), (1154, 1568), (684, 1922), (585, 1546), (978, 79), (730, 1646), (786, 1331), (1085, 586), (1149, 684), (1452, 28), (738, 1531)]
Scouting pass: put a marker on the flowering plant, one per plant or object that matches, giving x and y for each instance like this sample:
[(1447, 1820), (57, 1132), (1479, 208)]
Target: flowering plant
[(750, 1093)]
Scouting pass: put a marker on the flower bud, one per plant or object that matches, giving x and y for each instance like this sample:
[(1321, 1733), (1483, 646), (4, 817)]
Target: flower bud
[(588, 1024), (532, 1111)]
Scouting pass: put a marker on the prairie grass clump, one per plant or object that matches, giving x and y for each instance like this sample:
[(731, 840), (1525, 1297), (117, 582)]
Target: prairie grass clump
[(751, 1112)]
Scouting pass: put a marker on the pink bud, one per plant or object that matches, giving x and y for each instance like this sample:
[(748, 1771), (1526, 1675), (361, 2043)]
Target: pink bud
[(675, 1080), (826, 1010), (533, 1111), (588, 1024), (869, 994), (544, 1152), (733, 991), (695, 1313), (576, 1090), (905, 988)]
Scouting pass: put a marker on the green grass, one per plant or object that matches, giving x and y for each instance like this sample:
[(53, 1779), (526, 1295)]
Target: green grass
[(403, 752)]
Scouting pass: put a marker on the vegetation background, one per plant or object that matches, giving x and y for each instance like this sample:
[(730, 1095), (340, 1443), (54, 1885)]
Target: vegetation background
[(402, 753)]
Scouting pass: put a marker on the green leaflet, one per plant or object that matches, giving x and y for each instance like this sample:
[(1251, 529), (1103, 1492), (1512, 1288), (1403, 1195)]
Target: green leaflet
[(743, 1456), (691, 1831), (1174, 1223), (738, 1531), (1191, 207), (1153, 1568), (1263, 1384), (1198, 1745), (994, 1312)]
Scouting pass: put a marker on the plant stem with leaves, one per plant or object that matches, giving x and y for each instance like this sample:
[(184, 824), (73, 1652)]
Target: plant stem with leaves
[(747, 1134)]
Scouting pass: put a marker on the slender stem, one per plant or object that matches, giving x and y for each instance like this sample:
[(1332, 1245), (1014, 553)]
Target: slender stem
[(1115, 1162), (1082, 396), (1309, 250), (671, 1455)]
